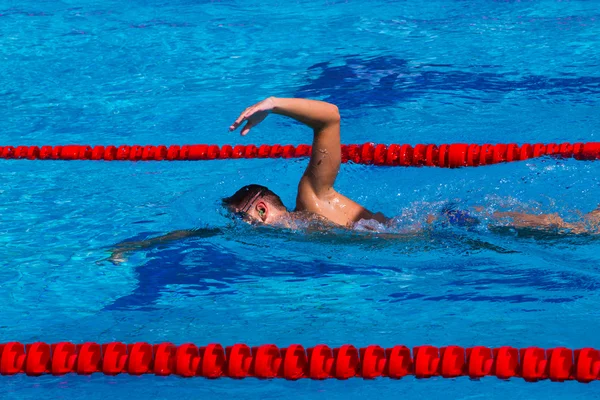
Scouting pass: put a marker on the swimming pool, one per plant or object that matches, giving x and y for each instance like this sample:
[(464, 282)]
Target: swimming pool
[(179, 72)]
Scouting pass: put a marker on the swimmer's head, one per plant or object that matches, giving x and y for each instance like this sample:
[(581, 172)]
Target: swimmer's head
[(256, 203)]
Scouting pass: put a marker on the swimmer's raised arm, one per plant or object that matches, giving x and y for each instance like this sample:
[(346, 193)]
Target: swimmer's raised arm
[(313, 113), (323, 118), (316, 194)]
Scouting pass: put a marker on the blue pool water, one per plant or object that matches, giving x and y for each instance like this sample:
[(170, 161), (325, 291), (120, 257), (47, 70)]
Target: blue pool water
[(177, 72)]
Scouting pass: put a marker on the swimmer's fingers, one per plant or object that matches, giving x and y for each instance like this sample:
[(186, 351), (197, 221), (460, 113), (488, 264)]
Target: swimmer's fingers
[(247, 128), (254, 114), (254, 117), (243, 116), (117, 258), (247, 115)]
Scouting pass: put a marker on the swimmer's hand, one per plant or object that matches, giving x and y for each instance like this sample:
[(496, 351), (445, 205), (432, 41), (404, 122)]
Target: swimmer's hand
[(118, 254), (117, 257), (254, 115)]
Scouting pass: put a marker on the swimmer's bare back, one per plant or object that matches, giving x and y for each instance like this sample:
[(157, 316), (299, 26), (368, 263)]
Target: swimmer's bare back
[(315, 190)]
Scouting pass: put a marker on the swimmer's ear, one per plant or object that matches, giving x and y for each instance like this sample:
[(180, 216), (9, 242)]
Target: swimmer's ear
[(263, 210)]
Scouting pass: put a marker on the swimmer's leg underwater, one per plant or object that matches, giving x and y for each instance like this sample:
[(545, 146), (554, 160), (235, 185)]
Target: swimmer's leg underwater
[(450, 214)]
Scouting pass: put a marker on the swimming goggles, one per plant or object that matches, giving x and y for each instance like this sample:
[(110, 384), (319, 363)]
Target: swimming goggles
[(243, 212)]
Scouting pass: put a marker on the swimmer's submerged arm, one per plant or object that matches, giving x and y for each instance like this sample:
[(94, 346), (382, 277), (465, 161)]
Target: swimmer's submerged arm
[(120, 249)]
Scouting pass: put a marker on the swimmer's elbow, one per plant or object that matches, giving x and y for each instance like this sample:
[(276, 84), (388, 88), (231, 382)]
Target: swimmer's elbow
[(328, 114), (334, 114)]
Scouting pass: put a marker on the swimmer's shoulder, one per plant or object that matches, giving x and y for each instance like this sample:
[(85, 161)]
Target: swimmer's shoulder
[(344, 212)]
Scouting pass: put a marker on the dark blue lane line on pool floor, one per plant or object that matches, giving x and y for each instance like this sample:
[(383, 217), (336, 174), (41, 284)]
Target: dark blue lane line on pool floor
[(386, 80)]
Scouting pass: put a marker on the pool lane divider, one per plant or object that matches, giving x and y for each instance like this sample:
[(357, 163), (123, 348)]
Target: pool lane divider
[(403, 155), (295, 362)]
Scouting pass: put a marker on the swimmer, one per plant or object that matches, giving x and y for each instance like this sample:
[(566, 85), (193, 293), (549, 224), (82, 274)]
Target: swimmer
[(316, 198), (318, 204)]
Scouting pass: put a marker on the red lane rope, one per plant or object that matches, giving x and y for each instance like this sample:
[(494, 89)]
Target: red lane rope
[(445, 155), (295, 362)]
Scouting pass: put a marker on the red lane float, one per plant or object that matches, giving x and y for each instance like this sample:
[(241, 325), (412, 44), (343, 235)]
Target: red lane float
[(431, 155), (295, 362)]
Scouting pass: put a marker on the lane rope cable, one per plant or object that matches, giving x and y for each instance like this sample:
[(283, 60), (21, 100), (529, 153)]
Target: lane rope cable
[(295, 362), (404, 155)]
